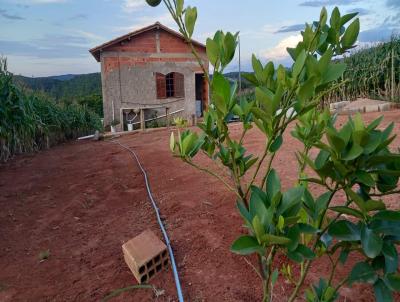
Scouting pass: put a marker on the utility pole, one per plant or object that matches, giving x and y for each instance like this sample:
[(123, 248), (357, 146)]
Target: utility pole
[(240, 70)]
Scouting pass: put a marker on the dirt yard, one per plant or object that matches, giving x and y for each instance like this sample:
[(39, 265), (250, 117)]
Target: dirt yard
[(81, 201)]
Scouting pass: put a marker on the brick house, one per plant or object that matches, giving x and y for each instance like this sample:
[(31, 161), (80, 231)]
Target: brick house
[(151, 73)]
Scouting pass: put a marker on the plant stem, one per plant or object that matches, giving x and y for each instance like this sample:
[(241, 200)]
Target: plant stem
[(215, 175)]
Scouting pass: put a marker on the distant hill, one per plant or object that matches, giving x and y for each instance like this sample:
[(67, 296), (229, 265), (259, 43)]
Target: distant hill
[(63, 86)]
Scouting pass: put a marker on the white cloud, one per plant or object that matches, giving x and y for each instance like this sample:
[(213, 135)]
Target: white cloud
[(133, 5), (90, 36), (143, 21), (279, 52)]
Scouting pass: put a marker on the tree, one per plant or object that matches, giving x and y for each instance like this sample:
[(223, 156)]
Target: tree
[(354, 159)]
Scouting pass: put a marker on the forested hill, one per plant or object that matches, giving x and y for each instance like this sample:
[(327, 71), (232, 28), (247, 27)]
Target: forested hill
[(63, 86)]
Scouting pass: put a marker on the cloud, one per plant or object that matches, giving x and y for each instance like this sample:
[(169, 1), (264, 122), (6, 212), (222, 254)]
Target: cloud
[(319, 3), (381, 33), (290, 28), (133, 5), (51, 46), (361, 11), (6, 15), (393, 3), (279, 52), (144, 21), (78, 17)]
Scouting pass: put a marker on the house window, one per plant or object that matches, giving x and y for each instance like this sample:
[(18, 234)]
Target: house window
[(170, 85)]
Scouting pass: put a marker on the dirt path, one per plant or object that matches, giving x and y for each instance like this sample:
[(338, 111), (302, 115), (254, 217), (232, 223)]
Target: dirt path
[(83, 200)]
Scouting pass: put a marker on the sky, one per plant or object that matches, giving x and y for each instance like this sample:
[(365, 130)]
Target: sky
[(52, 37)]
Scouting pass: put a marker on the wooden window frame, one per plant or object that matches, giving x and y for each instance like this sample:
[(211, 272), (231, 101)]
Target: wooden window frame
[(171, 85)]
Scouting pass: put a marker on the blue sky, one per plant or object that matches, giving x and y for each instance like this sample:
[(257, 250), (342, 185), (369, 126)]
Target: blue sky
[(51, 37)]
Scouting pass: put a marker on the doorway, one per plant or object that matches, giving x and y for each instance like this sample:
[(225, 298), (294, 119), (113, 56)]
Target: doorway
[(200, 94)]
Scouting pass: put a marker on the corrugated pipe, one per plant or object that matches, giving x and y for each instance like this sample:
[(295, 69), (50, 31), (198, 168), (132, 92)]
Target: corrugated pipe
[(164, 232)]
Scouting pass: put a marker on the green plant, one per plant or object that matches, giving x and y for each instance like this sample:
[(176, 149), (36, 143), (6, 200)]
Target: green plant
[(44, 255), (372, 72), (354, 160), (115, 123), (30, 122)]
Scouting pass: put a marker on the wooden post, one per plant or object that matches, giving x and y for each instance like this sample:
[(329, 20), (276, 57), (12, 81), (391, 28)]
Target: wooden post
[(167, 116), (142, 122)]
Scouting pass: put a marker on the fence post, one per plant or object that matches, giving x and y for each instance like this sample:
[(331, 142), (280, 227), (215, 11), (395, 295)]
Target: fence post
[(142, 122), (167, 116)]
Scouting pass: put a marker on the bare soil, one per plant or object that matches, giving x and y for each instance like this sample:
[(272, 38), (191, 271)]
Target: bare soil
[(83, 200)]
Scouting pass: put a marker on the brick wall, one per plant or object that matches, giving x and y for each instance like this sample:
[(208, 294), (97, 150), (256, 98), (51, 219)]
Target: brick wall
[(145, 42)]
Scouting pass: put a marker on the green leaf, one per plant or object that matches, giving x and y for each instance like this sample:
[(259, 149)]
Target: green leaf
[(351, 34), (273, 184), (389, 251), (362, 272), (273, 239), (374, 205), (356, 198), (274, 277), (243, 211), (334, 71), (344, 230), (305, 252), (307, 229), (365, 178), (295, 256), (276, 144), (335, 140), (190, 19), (246, 245), (264, 98), (321, 159), (354, 152), (258, 207), (212, 50), (172, 142), (348, 211), (370, 242), (294, 236), (322, 202), (382, 292), (346, 18), (179, 7), (307, 90), (258, 229), (393, 281), (387, 215), (258, 68), (335, 18), (291, 198), (299, 64)]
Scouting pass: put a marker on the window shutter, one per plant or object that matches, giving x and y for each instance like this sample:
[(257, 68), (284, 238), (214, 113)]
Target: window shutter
[(179, 83), (161, 86)]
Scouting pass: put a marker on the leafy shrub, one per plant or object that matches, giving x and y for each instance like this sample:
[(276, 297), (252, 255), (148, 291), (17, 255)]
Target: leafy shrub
[(29, 123), (354, 160)]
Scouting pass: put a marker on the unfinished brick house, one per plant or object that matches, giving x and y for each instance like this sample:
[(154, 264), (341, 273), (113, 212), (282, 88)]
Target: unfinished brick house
[(151, 73)]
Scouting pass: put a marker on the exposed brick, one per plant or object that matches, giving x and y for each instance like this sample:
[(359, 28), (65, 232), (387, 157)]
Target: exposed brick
[(145, 255)]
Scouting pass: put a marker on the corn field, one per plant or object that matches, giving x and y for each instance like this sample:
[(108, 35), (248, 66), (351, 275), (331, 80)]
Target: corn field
[(30, 123), (372, 72)]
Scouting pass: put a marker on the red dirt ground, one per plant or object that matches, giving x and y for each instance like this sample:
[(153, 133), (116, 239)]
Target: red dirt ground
[(83, 200)]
